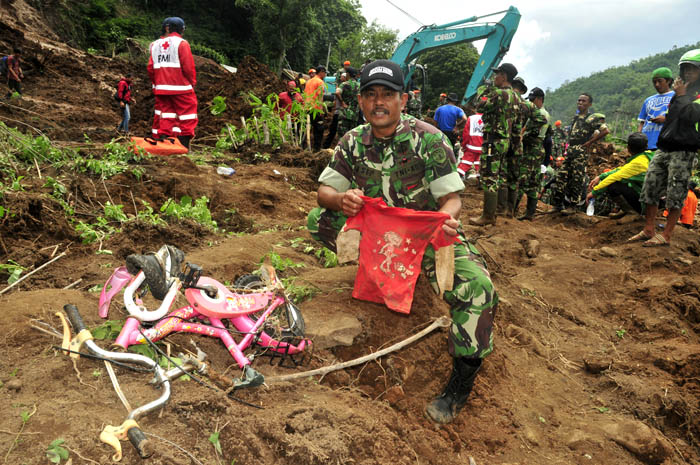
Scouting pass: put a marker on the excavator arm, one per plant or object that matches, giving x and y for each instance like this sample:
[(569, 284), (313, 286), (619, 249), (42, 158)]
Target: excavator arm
[(498, 38)]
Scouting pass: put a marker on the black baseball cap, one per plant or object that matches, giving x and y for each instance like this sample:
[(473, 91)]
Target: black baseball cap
[(452, 97), (509, 69), (384, 73), (519, 82), (534, 93), (352, 72), (320, 69)]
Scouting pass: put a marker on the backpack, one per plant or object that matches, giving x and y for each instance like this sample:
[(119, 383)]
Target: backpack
[(3, 65)]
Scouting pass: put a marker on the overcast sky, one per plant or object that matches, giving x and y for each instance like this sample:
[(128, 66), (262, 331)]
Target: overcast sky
[(562, 39)]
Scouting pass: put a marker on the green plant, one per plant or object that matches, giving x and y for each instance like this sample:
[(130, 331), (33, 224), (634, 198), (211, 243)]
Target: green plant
[(186, 209), (16, 184), (602, 409), (110, 329), (214, 439), (95, 288), (115, 212), (620, 333), (280, 264), (298, 293), (218, 105), (13, 269), (327, 257), (55, 453), (147, 215), (96, 373)]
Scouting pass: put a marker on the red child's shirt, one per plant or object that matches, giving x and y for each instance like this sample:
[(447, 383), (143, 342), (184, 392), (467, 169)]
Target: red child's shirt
[(391, 250)]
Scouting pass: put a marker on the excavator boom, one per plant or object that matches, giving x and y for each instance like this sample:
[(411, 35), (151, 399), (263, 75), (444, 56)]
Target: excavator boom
[(498, 38)]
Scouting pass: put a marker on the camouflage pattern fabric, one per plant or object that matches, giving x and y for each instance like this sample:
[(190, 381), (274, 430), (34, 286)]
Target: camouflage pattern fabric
[(547, 186), (338, 74), (499, 108), (530, 178), (558, 142), (413, 170), (569, 183), (514, 159), (414, 107), (347, 117), (668, 174)]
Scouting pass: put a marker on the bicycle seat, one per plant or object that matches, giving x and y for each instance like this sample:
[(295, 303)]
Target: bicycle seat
[(159, 268), (225, 304)]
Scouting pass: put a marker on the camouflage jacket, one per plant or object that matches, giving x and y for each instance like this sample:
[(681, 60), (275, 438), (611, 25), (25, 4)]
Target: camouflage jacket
[(348, 94), (524, 113), (413, 169), (536, 127), (499, 108), (338, 74), (583, 127), (414, 107)]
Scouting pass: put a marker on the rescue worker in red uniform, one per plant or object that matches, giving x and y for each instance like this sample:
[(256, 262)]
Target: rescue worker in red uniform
[(173, 77)]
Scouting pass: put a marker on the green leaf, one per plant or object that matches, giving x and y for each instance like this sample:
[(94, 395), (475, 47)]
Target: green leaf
[(214, 439)]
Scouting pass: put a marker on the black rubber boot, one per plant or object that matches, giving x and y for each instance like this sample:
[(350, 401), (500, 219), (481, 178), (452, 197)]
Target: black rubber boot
[(511, 206), (529, 210), (445, 407), (502, 204), (625, 208), (185, 141), (489, 214)]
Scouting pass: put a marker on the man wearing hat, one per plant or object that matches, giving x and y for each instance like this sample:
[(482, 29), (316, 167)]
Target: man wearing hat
[(313, 95), (347, 96), (344, 69), (514, 158), (653, 112), (449, 116), (414, 107), (409, 164), (536, 128), (499, 106)]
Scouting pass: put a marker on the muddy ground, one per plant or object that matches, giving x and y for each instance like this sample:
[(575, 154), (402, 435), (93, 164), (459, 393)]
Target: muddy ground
[(597, 342)]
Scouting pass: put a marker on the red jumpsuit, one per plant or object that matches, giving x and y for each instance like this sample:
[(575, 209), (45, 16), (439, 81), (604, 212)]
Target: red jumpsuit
[(173, 77), (472, 140)]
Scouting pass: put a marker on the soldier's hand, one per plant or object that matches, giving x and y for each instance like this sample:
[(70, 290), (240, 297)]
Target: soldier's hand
[(351, 202), (450, 226)]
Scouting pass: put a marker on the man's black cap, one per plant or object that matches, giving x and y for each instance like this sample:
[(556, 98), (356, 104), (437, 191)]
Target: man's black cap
[(384, 73), (509, 70), (452, 97), (352, 72), (320, 69), (535, 92), (519, 83)]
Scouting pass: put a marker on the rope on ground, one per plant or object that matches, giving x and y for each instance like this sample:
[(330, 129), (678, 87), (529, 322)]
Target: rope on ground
[(441, 322)]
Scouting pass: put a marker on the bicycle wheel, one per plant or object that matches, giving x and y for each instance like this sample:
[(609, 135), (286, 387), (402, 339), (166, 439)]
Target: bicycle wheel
[(285, 322)]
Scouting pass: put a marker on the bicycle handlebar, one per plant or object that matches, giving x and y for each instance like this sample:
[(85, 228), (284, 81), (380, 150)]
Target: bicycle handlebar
[(140, 312)]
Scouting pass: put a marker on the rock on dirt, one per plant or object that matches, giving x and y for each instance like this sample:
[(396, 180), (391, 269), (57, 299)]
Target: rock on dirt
[(340, 331), (14, 385), (608, 252), (532, 248), (525, 338), (644, 442), (595, 365)]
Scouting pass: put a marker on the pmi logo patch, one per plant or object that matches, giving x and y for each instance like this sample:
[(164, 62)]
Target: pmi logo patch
[(445, 36)]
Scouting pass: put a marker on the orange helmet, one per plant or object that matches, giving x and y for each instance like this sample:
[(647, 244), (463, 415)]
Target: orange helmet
[(557, 123), (560, 158), (443, 95), (346, 63), (312, 71)]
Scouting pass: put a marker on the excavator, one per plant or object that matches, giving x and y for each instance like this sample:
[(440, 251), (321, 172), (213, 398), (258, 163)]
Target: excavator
[(498, 38)]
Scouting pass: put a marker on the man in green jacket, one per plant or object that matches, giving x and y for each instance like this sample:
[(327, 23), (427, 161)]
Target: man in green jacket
[(624, 184)]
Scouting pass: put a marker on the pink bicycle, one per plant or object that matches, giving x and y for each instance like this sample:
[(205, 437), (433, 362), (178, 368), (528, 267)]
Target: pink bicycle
[(257, 309)]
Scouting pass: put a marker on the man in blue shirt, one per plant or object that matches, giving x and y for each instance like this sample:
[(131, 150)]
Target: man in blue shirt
[(448, 116), (653, 113)]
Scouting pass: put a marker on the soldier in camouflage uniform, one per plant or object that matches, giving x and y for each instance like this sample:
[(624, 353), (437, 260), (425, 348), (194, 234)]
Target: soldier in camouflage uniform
[(499, 105), (586, 128), (340, 72), (533, 151), (414, 107), (410, 164), (558, 140), (507, 194), (347, 95)]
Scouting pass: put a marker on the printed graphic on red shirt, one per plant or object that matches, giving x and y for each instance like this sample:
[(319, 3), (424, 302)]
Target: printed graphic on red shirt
[(391, 250)]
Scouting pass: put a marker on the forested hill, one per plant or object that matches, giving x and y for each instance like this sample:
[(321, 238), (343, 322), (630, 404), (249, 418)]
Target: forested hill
[(292, 33), (617, 92)]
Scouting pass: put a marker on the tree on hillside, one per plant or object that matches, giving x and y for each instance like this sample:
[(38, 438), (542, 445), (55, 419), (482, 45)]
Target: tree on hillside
[(378, 42), (280, 25), (449, 70)]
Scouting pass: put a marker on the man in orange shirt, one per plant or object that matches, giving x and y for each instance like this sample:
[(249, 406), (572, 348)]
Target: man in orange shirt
[(313, 96)]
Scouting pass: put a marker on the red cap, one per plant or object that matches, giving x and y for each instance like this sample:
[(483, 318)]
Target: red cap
[(291, 83), (557, 123), (443, 95), (346, 63)]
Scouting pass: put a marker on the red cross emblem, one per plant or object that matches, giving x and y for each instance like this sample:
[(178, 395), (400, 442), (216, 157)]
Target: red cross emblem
[(165, 45)]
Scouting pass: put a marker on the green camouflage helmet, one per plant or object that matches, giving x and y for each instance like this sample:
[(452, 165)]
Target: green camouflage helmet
[(691, 57)]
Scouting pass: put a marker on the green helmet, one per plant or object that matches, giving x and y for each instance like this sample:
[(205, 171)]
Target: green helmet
[(691, 57)]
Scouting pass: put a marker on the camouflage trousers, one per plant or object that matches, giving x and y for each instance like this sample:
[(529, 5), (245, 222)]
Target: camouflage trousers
[(668, 175), (530, 179), (494, 165), (514, 161), (473, 300), (571, 176)]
